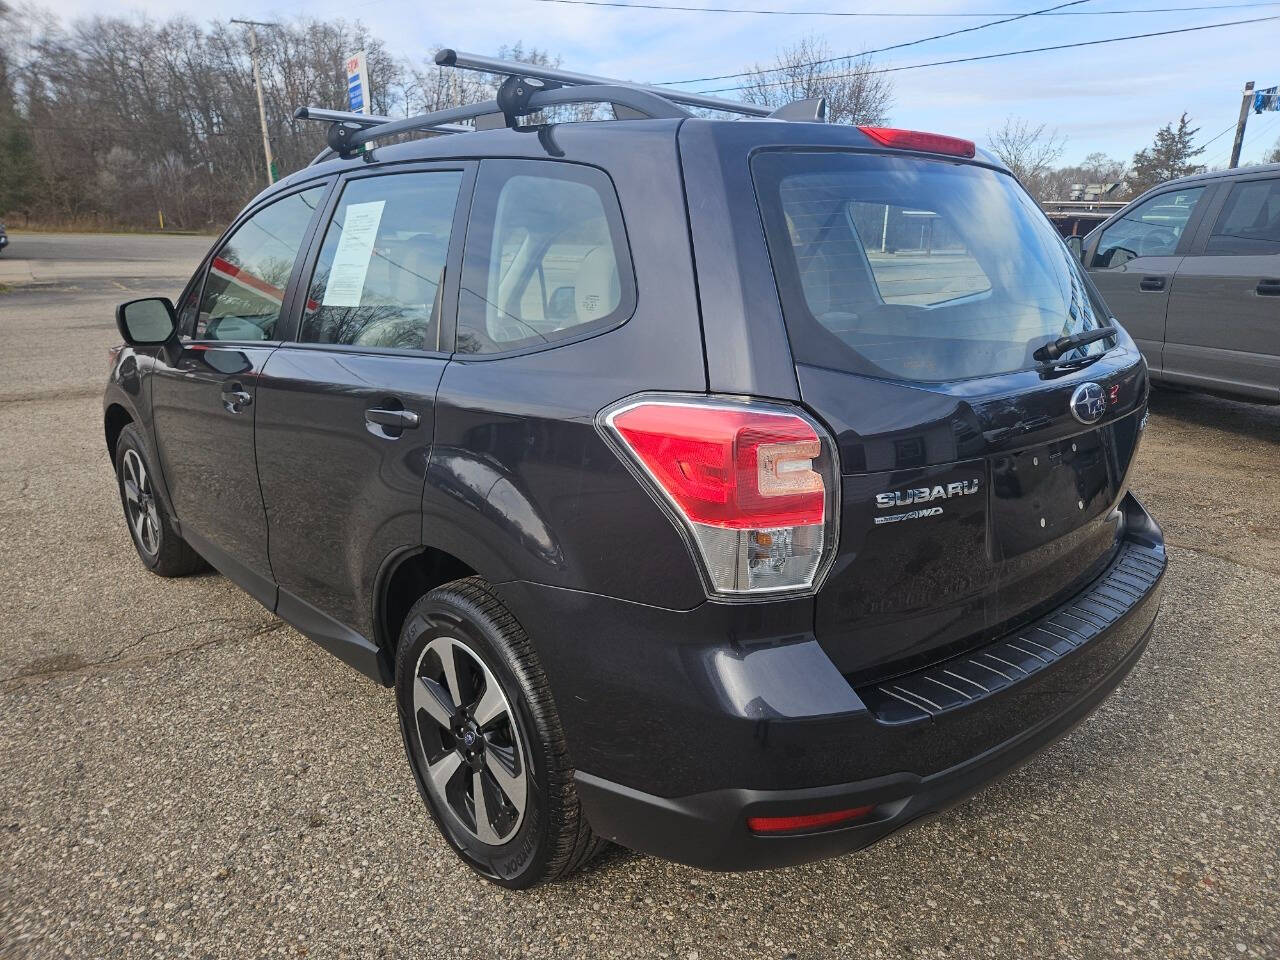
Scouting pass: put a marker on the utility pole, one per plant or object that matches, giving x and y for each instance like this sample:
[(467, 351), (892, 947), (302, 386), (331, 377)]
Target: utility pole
[(257, 83), (1245, 103)]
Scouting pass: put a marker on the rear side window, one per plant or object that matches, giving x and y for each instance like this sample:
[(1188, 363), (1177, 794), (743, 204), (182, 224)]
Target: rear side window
[(1250, 220), (911, 268), (380, 271), (244, 289), (1151, 229), (546, 257)]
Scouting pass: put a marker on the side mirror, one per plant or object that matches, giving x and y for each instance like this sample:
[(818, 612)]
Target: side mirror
[(146, 323), (1076, 246)]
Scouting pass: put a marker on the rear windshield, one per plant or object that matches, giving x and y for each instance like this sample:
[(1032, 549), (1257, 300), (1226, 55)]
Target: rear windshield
[(916, 269)]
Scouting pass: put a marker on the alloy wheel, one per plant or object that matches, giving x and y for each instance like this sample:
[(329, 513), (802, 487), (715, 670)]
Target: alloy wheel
[(471, 747), (140, 503)]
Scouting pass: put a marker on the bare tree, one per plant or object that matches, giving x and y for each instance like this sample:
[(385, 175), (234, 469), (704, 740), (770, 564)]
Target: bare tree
[(1028, 151), (1274, 155), (854, 92), (1096, 168), (114, 119)]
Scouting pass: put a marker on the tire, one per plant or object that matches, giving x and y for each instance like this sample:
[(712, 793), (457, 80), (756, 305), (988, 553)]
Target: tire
[(159, 547), (515, 735)]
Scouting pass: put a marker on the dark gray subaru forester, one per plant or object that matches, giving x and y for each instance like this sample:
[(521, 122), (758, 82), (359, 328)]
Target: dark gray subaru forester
[(737, 491)]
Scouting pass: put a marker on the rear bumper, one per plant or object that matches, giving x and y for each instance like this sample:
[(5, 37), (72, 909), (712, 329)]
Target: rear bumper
[(679, 742), (709, 830)]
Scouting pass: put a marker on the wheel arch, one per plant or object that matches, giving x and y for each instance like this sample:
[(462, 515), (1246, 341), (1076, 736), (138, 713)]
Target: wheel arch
[(405, 578), (114, 420)]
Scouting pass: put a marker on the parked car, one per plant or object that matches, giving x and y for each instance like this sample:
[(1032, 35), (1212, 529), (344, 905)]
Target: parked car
[(740, 492), (1192, 268), (4, 238)]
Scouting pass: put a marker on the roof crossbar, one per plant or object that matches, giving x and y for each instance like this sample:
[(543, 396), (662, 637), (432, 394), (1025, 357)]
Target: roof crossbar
[(528, 88), (647, 103), (361, 119), (348, 132), (470, 61)]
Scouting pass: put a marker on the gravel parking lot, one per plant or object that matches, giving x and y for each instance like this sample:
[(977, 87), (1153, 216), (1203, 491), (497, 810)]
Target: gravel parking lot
[(184, 775)]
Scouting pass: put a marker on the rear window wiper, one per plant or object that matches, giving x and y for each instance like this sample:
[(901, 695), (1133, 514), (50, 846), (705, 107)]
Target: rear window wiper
[(1052, 351)]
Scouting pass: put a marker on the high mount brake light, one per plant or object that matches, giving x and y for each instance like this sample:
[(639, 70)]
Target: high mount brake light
[(752, 484), (918, 140)]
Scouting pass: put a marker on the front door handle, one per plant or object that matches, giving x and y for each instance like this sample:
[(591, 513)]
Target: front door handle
[(235, 397), (1268, 288), (1152, 284), (399, 419)]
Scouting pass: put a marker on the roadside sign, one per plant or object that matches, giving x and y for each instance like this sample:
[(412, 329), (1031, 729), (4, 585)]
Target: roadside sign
[(358, 83)]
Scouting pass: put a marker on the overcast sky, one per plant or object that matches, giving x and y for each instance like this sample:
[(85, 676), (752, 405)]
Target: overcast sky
[(1110, 98)]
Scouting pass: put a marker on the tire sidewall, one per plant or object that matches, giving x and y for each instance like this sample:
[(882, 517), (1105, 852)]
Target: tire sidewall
[(130, 440), (521, 860)]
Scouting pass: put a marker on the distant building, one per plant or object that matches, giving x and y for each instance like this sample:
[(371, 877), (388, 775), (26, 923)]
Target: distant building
[(1087, 207), (1095, 191)]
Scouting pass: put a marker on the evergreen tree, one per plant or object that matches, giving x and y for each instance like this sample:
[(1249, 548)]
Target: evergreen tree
[(1168, 157)]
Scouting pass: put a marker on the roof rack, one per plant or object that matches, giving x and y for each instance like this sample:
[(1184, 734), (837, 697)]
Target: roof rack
[(528, 88)]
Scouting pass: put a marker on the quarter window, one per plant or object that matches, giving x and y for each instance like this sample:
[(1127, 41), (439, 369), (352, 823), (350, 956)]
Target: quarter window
[(244, 289), (1250, 220), (1151, 229), (378, 279), (546, 258)]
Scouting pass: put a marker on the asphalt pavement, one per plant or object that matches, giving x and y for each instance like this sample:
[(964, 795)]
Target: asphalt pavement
[(182, 775)]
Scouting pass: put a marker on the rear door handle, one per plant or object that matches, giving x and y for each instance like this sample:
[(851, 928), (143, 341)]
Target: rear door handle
[(395, 419), (1268, 288), (235, 397), (1153, 284)]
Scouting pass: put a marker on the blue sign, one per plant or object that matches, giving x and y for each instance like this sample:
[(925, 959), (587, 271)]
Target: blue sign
[(358, 83)]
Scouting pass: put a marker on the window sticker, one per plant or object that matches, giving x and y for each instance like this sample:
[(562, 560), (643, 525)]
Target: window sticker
[(355, 249)]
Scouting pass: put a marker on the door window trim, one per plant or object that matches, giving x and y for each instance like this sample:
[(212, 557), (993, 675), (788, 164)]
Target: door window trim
[(291, 323), (202, 273), (622, 252)]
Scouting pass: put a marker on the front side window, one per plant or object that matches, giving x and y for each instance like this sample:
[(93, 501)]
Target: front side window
[(546, 257), (1151, 229), (1250, 220), (911, 268), (378, 279), (244, 289)]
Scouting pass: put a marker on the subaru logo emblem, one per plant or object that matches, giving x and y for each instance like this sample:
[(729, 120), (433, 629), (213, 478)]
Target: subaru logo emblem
[(1088, 403)]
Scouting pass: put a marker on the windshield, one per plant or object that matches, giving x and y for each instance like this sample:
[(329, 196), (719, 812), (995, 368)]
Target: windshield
[(917, 269)]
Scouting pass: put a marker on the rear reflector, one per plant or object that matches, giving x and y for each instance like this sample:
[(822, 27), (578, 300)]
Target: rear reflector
[(808, 821), (753, 485), (917, 140)]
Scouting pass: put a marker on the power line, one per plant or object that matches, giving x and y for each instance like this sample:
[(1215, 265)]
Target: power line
[(1009, 53), (678, 8), (896, 46), (1217, 136), (1251, 134)]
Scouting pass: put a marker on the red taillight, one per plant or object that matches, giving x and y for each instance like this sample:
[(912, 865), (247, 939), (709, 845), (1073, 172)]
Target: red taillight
[(918, 140), (728, 467), (752, 483), (808, 821)]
